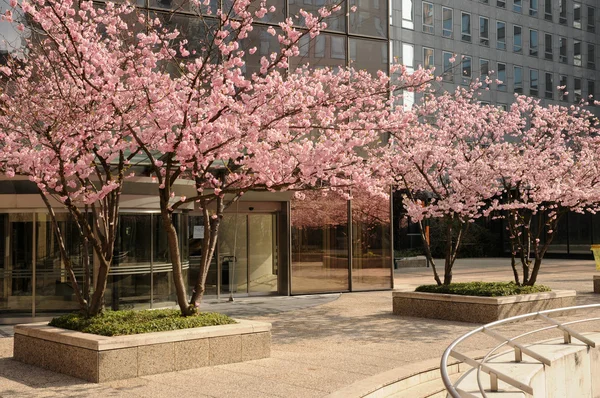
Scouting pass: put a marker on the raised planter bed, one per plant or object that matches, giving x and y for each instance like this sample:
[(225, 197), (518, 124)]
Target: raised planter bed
[(99, 358), (410, 262), (596, 283), (477, 309)]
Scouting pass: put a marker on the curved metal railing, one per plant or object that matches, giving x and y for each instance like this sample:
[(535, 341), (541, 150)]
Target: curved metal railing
[(519, 349)]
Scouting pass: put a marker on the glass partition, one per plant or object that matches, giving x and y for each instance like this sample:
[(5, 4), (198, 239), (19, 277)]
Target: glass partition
[(262, 253), (17, 276), (130, 282), (53, 290), (233, 254), (319, 226), (371, 243)]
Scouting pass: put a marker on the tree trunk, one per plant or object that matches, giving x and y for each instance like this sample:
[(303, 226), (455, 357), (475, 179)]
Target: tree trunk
[(97, 303), (175, 257), (534, 272), (83, 304), (449, 246), (211, 225), (428, 255)]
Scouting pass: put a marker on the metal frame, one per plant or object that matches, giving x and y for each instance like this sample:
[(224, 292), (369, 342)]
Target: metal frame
[(519, 349)]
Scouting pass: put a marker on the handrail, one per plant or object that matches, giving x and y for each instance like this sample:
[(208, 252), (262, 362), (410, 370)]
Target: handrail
[(519, 349)]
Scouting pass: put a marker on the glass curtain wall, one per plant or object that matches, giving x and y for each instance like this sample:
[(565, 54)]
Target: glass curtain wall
[(141, 274), (320, 258), (339, 245), (248, 254), (34, 280), (371, 243), (369, 21)]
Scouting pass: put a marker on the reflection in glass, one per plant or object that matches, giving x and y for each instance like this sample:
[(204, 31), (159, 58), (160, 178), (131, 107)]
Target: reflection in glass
[(262, 249), (130, 281), (265, 45), (369, 55), (580, 232), (16, 279), (370, 18), (195, 241), (12, 40), (53, 291), (371, 243), (335, 22), (319, 243), (233, 253), (325, 50)]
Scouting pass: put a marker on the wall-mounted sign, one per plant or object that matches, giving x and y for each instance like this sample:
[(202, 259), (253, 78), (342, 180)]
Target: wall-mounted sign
[(198, 232)]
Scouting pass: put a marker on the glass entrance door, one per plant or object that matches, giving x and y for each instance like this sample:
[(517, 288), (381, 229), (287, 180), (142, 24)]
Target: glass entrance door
[(248, 254), (262, 253)]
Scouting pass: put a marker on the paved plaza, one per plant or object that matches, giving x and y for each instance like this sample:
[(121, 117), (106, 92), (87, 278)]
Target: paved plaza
[(321, 343)]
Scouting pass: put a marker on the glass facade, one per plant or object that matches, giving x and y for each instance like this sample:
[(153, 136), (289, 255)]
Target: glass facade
[(340, 245), (34, 280)]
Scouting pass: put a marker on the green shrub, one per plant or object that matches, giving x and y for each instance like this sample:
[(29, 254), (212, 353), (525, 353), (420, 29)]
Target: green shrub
[(487, 289), (118, 323)]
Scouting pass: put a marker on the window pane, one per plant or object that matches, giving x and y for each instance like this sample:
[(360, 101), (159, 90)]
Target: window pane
[(517, 5), (335, 22), (577, 90), (319, 244), (265, 45), (371, 243), (533, 43), (591, 56), (447, 22), (517, 39), (408, 56), (466, 27), (324, 50), (591, 92), (466, 67), (484, 70), (562, 56), (591, 19), (577, 53), (370, 18), (533, 8), (564, 89), (548, 47), (577, 15), (428, 61), (501, 77), (427, 17), (533, 82), (549, 85), (369, 55), (501, 35), (484, 34), (548, 10), (407, 14), (562, 12), (447, 66), (518, 80)]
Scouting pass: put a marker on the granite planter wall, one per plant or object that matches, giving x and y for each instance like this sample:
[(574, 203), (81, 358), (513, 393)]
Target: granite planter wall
[(596, 283), (477, 309), (99, 358)]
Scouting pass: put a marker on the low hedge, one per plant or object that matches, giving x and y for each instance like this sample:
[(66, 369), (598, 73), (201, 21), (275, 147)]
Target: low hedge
[(118, 323), (486, 289)]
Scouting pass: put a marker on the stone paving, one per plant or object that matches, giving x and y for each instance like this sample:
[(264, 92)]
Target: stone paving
[(320, 343)]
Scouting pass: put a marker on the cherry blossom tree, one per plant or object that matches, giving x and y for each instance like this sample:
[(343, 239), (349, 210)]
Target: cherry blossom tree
[(67, 99), (441, 156), (547, 167), (230, 127)]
